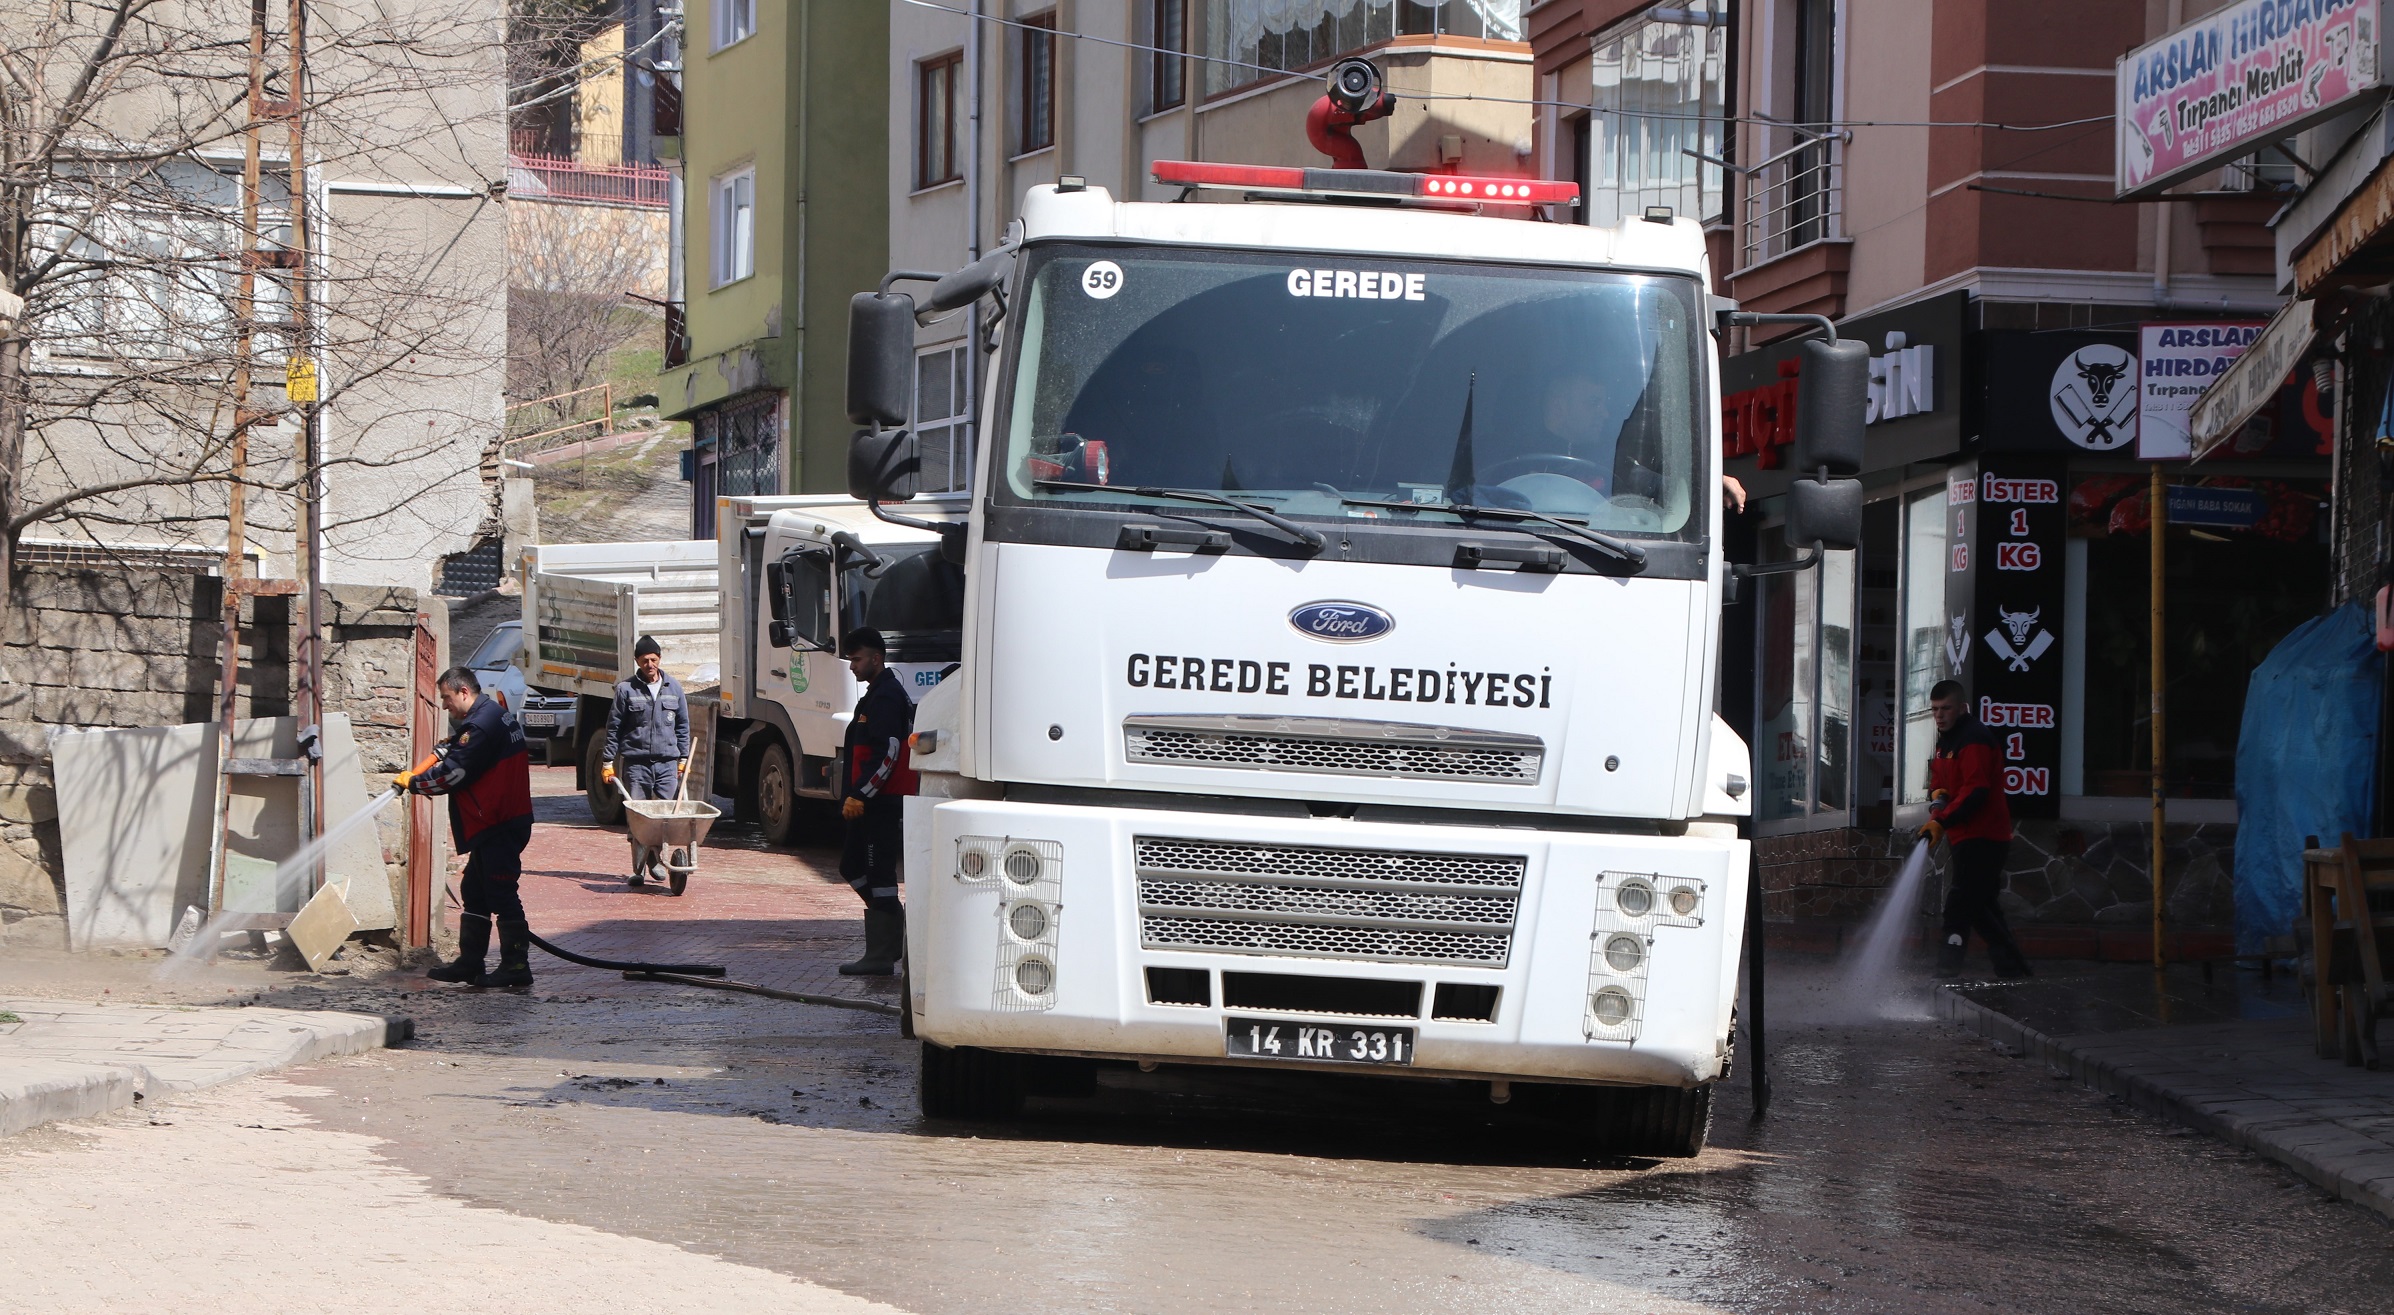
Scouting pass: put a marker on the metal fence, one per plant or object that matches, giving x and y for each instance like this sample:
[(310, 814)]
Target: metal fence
[(1794, 198), (547, 178)]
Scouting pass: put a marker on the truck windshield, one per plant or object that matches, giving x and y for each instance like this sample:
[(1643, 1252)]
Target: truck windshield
[(917, 603), (1304, 383)]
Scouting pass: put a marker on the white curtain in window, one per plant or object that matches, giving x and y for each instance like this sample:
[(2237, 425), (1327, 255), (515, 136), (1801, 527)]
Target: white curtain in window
[(1251, 20)]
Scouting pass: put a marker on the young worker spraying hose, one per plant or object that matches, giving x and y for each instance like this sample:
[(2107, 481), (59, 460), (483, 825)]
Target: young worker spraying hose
[(485, 769), (1970, 812)]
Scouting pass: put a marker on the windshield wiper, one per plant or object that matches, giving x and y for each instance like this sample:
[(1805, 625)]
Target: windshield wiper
[(1620, 548), (1310, 538)]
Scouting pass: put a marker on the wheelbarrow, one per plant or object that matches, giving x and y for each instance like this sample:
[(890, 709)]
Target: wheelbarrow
[(666, 834)]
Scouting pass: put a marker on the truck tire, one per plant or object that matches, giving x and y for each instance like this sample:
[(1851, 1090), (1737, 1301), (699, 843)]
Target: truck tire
[(606, 802), (965, 1083), (776, 795), (1668, 1123)]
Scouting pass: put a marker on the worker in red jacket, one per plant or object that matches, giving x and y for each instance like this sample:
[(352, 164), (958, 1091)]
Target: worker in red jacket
[(1968, 811), (485, 769)]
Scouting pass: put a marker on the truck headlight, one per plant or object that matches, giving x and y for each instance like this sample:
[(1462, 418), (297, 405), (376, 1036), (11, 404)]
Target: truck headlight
[(1022, 866), (1634, 897), (1612, 1006), (1624, 953), (1027, 920), (1034, 976)]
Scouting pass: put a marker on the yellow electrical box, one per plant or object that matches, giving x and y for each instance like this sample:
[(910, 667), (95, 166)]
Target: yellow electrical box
[(299, 381)]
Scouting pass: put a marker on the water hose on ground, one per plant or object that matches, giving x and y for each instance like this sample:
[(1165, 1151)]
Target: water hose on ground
[(629, 969), (715, 979)]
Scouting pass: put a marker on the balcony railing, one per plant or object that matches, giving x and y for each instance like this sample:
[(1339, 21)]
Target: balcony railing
[(546, 178), (1794, 198)]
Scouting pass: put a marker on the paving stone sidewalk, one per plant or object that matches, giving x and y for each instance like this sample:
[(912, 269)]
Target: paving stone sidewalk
[(2231, 1058), (62, 1059), (779, 918)]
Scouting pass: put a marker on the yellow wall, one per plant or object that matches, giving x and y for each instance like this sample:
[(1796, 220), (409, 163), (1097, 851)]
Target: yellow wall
[(735, 111)]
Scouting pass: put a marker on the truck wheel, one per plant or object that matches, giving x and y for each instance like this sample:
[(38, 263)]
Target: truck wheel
[(606, 802), (776, 796), (965, 1083), (1660, 1122)]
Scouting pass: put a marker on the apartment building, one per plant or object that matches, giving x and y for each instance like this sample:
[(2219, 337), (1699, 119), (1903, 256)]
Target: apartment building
[(783, 217), (1102, 89), (1938, 179)]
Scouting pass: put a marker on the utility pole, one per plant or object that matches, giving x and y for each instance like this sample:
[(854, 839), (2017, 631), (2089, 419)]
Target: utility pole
[(256, 256), (2158, 494), (304, 386)]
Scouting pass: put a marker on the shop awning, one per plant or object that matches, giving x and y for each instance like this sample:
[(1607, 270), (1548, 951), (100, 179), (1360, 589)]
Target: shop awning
[(2248, 385)]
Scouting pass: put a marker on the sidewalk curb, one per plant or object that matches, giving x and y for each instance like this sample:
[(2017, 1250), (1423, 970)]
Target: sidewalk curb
[(40, 1088), (2362, 1179)]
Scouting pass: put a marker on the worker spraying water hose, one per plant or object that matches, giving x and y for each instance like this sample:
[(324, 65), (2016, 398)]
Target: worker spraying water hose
[(485, 770), (1969, 812)]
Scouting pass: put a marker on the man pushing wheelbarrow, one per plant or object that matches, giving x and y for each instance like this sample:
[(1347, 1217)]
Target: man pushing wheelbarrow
[(648, 732)]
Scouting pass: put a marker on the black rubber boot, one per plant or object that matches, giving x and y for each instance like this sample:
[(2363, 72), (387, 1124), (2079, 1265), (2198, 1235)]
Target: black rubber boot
[(515, 956), (1949, 956), (473, 942), (885, 944)]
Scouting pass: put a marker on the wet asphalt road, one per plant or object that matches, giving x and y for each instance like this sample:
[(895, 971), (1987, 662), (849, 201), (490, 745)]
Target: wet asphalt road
[(1905, 1166)]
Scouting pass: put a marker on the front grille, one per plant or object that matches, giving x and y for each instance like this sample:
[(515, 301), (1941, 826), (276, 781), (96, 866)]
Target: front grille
[(1335, 747), (1315, 902)]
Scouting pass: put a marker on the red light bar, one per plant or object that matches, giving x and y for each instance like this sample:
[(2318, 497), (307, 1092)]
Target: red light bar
[(1367, 182)]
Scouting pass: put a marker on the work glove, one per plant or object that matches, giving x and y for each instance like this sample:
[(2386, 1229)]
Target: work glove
[(606, 773), (852, 808), (1932, 831)]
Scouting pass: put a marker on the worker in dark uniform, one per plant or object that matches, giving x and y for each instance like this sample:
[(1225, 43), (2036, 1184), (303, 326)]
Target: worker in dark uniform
[(648, 732), (485, 769), (872, 785), (1967, 809)]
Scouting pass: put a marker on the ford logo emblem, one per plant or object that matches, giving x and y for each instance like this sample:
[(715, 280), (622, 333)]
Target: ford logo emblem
[(1341, 623)]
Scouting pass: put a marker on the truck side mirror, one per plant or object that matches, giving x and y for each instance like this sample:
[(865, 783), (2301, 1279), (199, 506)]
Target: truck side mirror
[(778, 634), (777, 593), (880, 358), (1827, 512), (882, 465), (1832, 402), (969, 284)]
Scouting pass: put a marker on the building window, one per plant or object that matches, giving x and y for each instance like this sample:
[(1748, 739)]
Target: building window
[(734, 20), (151, 266), (1794, 195), (1658, 96), (741, 443), (942, 411), (1167, 76), (2232, 593), (1805, 678), (938, 103), (735, 226), (1035, 116), (1251, 40)]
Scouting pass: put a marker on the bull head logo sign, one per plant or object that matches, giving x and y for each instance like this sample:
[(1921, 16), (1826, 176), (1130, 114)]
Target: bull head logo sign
[(2011, 640)]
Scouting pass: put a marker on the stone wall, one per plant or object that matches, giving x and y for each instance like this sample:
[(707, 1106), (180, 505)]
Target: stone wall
[(86, 648), (2058, 873)]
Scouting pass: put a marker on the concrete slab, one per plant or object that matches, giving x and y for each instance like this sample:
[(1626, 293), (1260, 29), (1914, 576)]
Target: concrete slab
[(71, 1060), (134, 814)]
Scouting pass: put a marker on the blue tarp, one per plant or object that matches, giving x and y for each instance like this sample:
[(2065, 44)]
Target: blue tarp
[(2305, 763)]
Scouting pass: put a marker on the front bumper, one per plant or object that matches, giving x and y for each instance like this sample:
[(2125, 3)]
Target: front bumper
[(965, 955)]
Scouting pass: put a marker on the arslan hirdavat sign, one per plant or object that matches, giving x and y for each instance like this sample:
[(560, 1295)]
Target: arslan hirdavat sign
[(2229, 82)]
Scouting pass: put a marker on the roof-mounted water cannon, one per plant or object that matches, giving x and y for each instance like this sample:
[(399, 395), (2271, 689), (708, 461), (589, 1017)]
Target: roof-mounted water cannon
[(1358, 94)]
